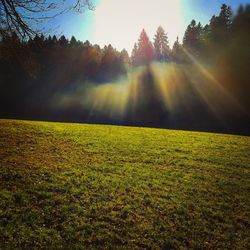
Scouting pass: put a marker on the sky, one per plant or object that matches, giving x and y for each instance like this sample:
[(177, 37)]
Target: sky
[(119, 22)]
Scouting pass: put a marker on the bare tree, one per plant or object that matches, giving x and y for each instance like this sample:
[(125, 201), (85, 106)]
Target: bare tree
[(23, 16)]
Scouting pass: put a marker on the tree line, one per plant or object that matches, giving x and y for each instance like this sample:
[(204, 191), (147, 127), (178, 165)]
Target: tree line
[(224, 33), (34, 70)]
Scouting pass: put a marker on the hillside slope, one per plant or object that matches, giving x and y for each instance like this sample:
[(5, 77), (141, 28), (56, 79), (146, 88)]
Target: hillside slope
[(72, 186)]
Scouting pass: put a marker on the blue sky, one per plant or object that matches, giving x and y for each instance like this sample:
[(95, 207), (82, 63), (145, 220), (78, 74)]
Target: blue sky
[(119, 21)]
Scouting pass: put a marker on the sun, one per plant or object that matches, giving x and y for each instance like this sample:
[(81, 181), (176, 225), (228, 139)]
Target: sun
[(120, 22)]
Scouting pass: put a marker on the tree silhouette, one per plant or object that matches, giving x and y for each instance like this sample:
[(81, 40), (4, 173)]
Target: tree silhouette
[(220, 26), (177, 54), (125, 57), (73, 42), (112, 64), (134, 54), (192, 38)]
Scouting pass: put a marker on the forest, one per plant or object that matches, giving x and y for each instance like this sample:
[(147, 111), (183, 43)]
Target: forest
[(201, 83)]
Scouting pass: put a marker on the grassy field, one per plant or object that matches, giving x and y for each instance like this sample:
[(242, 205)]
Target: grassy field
[(72, 186)]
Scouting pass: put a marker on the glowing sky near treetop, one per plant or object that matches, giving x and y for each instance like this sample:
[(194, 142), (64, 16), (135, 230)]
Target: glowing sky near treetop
[(119, 22)]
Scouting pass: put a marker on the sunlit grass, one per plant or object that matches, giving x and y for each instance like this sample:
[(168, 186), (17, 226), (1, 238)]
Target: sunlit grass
[(73, 186)]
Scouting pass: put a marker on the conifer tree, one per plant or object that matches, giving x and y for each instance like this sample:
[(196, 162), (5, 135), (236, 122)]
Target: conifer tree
[(145, 51), (161, 45)]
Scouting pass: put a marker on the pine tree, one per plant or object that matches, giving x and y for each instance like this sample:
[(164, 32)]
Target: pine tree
[(63, 41), (161, 46), (112, 64), (134, 54), (145, 51), (192, 38), (220, 25), (125, 57), (49, 42), (86, 44), (73, 42), (177, 51), (54, 39), (241, 22)]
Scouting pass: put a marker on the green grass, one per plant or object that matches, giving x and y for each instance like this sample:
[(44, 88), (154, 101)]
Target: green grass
[(72, 186)]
